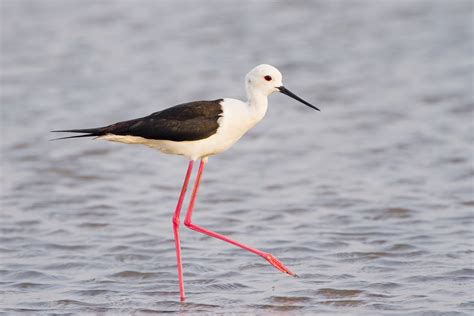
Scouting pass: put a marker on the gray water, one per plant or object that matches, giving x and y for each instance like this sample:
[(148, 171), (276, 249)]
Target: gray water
[(370, 200)]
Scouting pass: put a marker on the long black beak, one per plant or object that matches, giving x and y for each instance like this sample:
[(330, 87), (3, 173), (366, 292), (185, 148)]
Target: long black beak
[(284, 90)]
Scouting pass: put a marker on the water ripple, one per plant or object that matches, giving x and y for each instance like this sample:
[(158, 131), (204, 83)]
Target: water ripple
[(369, 201)]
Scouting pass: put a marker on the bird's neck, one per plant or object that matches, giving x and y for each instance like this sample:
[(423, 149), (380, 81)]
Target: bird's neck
[(258, 104)]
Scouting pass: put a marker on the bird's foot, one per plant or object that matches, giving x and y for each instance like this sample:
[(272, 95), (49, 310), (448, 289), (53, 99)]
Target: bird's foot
[(277, 264)]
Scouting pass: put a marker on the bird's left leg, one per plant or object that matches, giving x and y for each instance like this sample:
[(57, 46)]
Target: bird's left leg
[(176, 221), (188, 222)]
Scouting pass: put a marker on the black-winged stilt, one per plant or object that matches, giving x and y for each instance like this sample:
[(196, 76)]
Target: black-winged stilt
[(198, 130)]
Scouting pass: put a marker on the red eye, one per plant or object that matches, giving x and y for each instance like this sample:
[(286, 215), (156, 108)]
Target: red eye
[(268, 78)]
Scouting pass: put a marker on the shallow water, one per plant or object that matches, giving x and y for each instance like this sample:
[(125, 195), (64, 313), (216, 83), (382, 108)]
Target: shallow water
[(369, 201)]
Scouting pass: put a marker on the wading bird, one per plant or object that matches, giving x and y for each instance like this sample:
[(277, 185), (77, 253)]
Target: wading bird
[(198, 130)]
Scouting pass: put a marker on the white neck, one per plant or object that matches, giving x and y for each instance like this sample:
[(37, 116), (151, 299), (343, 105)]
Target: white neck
[(258, 103)]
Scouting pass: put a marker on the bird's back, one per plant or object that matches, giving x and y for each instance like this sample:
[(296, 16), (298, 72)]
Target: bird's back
[(184, 122)]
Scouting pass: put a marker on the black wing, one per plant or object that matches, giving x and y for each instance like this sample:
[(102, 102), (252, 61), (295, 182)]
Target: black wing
[(183, 122)]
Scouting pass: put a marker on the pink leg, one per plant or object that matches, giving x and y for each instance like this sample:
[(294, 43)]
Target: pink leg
[(188, 222), (176, 222)]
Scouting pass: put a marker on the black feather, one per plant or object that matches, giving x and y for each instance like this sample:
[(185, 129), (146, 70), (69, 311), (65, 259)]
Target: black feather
[(85, 130), (77, 136), (183, 122)]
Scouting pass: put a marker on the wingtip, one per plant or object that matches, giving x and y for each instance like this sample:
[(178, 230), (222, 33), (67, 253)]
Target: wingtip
[(59, 138), (68, 137), (61, 131)]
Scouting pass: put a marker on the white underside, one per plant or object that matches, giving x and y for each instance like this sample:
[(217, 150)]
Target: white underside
[(237, 118)]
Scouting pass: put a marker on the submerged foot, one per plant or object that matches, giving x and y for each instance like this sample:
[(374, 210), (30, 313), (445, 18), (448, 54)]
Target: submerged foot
[(277, 264)]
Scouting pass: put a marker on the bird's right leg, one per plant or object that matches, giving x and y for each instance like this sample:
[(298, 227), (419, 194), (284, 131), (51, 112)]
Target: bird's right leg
[(189, 223), (176, 222)]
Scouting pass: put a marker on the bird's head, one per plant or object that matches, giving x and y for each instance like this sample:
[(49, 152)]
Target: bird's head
[(266, 79)]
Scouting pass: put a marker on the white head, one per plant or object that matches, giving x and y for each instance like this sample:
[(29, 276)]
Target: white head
[(266, 79), (263, 79)]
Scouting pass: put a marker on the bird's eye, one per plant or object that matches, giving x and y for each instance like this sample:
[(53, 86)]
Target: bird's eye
[(268, 78)]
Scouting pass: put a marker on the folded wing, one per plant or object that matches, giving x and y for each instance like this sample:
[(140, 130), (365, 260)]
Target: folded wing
[(183, 122)]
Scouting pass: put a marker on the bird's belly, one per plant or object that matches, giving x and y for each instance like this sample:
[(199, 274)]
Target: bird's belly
[(193, 150)]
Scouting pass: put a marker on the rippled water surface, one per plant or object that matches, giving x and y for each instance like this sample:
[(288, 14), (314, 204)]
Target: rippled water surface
[(370, 201)]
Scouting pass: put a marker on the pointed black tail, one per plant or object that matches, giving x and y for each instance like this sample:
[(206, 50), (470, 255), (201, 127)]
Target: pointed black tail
[(88, 132)]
